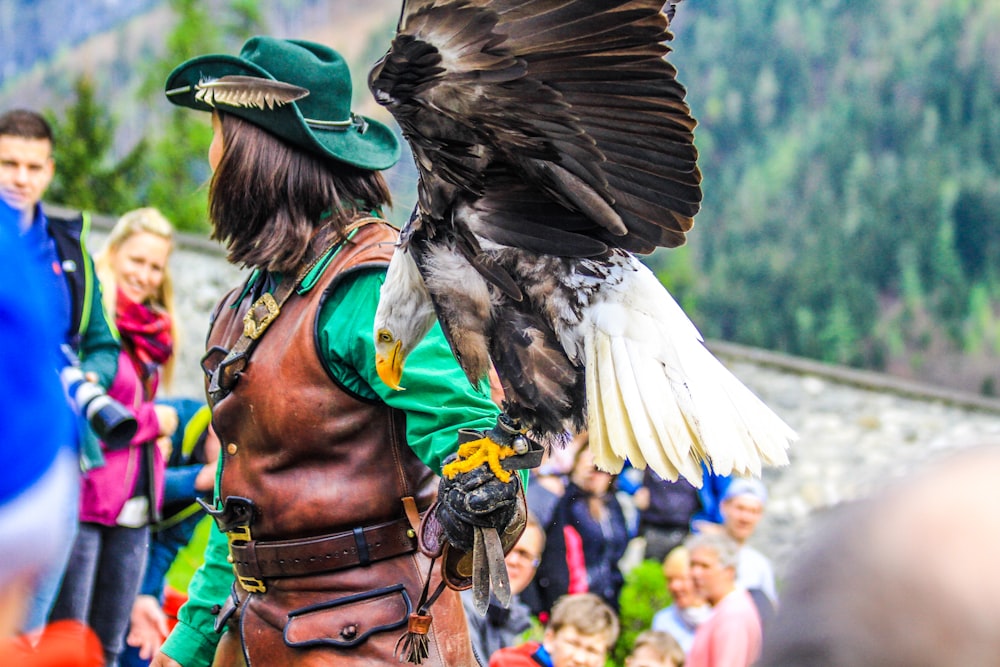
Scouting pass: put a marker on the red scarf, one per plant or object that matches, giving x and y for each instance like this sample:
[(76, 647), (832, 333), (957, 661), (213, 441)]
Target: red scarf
[(145, 336)]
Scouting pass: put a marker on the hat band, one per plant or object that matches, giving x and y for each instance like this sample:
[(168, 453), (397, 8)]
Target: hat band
[(339, 125)]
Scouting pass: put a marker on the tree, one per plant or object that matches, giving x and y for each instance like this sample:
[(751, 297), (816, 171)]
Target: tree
[(85, 177), (178, 171), (849, 153)]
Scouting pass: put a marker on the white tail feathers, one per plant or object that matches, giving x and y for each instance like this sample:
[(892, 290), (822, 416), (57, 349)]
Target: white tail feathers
[(656, 396)]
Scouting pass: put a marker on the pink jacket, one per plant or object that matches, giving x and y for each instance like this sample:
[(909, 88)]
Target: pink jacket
[(104, 490)]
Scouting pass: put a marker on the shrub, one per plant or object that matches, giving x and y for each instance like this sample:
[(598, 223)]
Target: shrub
[(644, 593)]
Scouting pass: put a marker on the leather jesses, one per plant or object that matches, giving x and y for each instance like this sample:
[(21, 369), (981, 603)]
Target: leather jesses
[(316, 460)]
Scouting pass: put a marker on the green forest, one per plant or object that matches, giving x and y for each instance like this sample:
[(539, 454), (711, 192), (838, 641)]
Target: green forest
[(851, 161)]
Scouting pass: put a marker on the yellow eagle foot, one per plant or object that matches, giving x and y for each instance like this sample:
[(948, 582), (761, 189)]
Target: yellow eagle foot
[(476, 453)]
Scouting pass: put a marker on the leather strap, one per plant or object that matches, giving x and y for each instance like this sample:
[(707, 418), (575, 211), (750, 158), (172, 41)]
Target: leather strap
[(412, 513), (256, 321), (325, 553)]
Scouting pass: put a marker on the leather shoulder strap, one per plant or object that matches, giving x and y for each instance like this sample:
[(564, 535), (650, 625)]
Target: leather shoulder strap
[(373, 243)]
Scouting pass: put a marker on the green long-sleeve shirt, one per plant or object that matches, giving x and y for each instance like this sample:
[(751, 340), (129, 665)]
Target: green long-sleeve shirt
[(437, 402)]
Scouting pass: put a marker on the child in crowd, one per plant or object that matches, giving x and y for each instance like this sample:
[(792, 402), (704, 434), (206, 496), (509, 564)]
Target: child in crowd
[(653, 648), (581, 632)]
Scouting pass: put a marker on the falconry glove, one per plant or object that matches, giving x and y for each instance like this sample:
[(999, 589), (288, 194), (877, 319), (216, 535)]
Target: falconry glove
[(475, 498), (480, 511)]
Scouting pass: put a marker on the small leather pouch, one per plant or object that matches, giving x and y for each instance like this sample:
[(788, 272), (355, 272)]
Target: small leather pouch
[(348, 621), (273, 634)]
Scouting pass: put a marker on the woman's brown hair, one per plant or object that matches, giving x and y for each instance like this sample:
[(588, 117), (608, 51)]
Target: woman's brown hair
[(269, 201)]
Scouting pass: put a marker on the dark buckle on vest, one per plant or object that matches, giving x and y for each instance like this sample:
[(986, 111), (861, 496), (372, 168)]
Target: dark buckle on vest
[(223, 370), (235, 516)]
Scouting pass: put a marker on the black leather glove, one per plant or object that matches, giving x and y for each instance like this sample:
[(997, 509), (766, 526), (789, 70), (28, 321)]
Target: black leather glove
[(475, 498)]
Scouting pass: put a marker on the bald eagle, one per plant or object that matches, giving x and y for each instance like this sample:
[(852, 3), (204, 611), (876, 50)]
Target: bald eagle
[(552, 143)]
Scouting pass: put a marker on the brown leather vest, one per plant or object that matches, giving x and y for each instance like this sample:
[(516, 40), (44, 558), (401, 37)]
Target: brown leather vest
[(313, 458)]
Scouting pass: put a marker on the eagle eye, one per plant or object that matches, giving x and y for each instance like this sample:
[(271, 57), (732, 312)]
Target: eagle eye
[(384, 336)]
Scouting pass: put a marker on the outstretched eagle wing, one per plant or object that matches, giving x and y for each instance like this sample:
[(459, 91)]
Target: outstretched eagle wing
[(550, 136), (556, 126)]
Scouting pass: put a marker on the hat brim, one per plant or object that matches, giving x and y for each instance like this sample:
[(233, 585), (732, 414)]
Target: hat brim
[(375, 147)]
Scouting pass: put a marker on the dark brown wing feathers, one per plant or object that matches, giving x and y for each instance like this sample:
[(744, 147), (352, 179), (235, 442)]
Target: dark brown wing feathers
[(572, 97)]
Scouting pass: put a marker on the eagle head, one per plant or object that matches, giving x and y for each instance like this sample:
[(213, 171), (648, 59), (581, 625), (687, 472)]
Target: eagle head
[(404, 315)]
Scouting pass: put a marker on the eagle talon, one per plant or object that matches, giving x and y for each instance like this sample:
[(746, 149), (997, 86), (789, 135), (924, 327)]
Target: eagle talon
[(479, 452)]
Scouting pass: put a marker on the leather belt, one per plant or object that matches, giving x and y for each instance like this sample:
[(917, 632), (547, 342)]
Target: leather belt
[(261, 559)]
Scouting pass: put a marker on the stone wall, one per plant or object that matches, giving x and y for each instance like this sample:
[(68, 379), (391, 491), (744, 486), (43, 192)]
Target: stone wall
[(857, 429)]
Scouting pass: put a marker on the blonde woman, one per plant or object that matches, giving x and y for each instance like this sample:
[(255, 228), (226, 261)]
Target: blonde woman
[(143, 276), (120, 499)]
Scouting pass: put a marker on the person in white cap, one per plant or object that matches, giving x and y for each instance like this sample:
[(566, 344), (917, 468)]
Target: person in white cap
[(742, 508)]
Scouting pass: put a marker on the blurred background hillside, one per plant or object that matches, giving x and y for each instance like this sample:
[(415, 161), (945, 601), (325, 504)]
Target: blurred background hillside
[(850, 150)]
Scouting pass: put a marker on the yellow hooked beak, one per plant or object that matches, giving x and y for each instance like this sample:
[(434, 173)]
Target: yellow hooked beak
[(390, 366)]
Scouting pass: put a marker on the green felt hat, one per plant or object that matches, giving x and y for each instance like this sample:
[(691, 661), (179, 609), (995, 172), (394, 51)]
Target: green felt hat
[(297, 90)]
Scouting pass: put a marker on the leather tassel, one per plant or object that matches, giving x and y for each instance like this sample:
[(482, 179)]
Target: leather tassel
[(413, 646)]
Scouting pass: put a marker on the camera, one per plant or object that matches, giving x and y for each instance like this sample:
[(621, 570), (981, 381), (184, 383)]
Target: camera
[(111, 421)]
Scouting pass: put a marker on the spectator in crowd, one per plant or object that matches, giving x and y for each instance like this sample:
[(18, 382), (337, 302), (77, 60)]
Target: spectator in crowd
[(581, 632), (38, 484), (653, 648), (688, 609), (501, 627), (906, 577), (731, 637), (585, 539), (668, 509), (546, 486), (628, 482), (742, 508), (55, 247), (121, 498), (548, 481), (190, 475)]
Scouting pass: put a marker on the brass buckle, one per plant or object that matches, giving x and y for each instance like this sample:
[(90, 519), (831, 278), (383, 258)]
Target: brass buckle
[(239, 534), (253, 327), (249, 584), (252, 584)]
